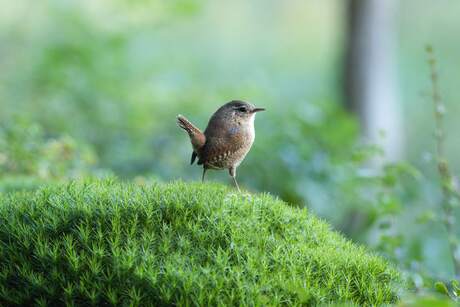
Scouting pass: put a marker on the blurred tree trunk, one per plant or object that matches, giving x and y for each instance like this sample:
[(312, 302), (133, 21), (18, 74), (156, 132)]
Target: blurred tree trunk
[(370, 73)]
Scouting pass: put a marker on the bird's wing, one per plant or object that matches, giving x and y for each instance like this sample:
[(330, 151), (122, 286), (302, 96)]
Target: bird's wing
[(217, 149)]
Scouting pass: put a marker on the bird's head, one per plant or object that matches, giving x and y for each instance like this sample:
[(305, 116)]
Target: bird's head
[(239, 110)]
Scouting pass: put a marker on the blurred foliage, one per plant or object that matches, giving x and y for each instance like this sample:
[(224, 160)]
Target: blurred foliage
[(11, 184), (89, 86), (426, 301), (26, 151)]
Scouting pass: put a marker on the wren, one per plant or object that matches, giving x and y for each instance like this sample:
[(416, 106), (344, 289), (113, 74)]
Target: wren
[(227, 139)]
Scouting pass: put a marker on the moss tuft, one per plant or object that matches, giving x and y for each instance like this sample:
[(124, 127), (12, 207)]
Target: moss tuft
[(106, 242)]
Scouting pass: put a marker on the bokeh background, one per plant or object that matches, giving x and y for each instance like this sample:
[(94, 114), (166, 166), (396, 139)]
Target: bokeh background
[(91, 88)]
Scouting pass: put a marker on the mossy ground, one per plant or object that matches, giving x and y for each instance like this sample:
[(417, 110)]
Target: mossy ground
[(106, 242)]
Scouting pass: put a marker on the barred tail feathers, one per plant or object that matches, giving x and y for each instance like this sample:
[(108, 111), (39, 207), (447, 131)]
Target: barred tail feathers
[(197, 137)]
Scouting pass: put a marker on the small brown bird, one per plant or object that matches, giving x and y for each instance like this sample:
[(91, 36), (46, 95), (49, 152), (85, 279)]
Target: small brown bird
[(227, 138)]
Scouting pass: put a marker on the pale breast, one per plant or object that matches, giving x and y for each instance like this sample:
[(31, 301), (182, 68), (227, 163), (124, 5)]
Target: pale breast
[(245, 144)]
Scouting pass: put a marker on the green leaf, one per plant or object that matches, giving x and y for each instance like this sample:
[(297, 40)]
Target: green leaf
[(455, 285), (441, 288), (456, 288), (426, 216)]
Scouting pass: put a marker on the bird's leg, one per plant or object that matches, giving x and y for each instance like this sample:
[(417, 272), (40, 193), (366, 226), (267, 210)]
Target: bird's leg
[(236, 183), (232, 172), (204, 172)]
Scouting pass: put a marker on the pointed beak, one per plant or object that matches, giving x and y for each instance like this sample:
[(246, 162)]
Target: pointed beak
[(257, 110)]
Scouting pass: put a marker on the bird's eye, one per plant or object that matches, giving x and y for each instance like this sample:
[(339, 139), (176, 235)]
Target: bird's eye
[(242, 109)]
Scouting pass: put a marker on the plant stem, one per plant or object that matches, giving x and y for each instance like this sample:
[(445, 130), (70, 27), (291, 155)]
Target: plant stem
[(447, 180)]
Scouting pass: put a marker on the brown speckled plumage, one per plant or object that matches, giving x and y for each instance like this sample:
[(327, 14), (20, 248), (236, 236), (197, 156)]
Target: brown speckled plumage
[(227, 138)]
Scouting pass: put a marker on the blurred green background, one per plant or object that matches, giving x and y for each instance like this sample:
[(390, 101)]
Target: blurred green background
[(93, 88)]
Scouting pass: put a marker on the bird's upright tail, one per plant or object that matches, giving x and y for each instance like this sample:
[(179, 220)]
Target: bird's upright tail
[(197, 137)]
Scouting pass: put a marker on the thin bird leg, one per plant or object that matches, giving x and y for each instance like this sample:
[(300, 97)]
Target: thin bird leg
[(232, 172), (204, 172), (236, 183)]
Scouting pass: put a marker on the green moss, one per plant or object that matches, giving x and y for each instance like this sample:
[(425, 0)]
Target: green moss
[(188, 244)]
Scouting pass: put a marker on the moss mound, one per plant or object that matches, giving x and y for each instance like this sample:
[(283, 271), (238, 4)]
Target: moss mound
[(105, 242)]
